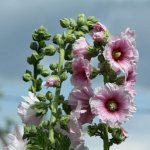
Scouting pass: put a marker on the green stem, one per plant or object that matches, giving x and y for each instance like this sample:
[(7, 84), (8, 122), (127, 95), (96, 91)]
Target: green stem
[(54, 105), (106, 139)]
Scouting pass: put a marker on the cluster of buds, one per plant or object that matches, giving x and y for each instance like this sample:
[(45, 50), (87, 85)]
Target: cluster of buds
[(113, 103)]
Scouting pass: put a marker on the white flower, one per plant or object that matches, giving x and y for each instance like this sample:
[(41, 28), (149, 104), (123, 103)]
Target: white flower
[(15, 140), (27, 114)]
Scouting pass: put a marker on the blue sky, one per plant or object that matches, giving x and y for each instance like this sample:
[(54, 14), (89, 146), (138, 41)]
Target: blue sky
[(18, 19)]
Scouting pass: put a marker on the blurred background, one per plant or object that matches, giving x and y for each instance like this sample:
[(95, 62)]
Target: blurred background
[(18, 19)]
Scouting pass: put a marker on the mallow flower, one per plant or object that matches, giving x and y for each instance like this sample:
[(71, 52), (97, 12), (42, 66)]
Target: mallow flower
[(113, 104), (15, 140), (26, 112)]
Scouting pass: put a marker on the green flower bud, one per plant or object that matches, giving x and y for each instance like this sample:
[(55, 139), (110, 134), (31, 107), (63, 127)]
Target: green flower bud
[(65, 23), (49, 95), (50, 50), (90, 24), (39, 68), (53, 66), (41, 34), (70, 38), (68, 67), (35, 57), (81, 20), (41, 97), (38, 84), (27, 77), (42, 44), (34, 46), (93, 51), (63, 76), (72, 23), (57, 39), (45, 72), (84, 28), (92, 19), (78, 34)]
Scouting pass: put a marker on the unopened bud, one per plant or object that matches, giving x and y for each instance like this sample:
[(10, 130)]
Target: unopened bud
[(81, 20), (27, 77), (65, 23), (34, 46), (57, 39), (53, 66), (45, 73), (50, 50)]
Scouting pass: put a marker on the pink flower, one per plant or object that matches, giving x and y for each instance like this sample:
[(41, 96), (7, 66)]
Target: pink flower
[(130, 80), (113, 104), (27, 114), (16, 140), (80, 48), (98, 32), (52, 81), (121, 53), (82, 95), (81, 71)]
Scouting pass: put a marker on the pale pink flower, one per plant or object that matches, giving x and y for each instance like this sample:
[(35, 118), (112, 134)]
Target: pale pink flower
[(15, 139), (113, 104), (82, 95), (129, 34), (26, 112), (75, 128), (98, 32), (81, 71), (75, 131), (80, 47), (121, 53), (52, 81)]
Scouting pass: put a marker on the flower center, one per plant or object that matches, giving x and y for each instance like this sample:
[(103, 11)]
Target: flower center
[(116, 54), (112, 105)]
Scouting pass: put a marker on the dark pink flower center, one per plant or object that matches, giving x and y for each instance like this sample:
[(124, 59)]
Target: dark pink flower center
[(112, 105), (116, 54)]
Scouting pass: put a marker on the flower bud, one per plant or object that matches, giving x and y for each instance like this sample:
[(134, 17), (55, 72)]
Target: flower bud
[(35, 57), (65, 23), (57, 39), (42, 44), (50, 50), (34, 46), (72, 22), (93, 51), (92, 19), (68, 67), (66, 107), (53, 66), (95, 72), (27, 77), (45, 73), (81, 20), (39, 68), (84, 28), (63, 76), (79, 34), (41, 97), (49, 95), (70, 38), (53, 81)]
